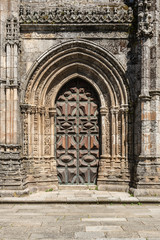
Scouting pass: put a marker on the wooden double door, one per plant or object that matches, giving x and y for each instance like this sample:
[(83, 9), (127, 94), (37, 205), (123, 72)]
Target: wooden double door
[(77, 133)]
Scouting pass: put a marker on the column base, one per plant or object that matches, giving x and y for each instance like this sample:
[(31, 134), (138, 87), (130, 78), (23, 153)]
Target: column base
[(147, 176), (12, 174), (145, 192), (14, 193), (113, 187)]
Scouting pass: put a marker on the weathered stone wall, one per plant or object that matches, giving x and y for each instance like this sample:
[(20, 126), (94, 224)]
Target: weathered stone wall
[(30, 31), (37, 40), (11, 169)]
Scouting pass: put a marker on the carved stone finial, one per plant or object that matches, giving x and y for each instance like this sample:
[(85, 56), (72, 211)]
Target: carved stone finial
[(145, 19), (12, 31)]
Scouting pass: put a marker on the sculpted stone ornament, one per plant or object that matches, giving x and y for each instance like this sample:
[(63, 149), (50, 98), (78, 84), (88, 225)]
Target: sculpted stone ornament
[(12, 31), (145, 19), (65, 15)]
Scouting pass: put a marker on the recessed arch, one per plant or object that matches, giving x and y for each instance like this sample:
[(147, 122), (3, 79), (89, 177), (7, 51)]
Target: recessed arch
[(99, 68), (82, 52)]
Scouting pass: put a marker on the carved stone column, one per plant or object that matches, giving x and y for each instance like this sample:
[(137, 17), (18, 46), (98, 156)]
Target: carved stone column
[(104, 163), (114, 136), (124, 140), (3, 14), (145, 33), (2, 112), (155, 83), (12, 51), (52, 114), (10, 155), (147, 173)]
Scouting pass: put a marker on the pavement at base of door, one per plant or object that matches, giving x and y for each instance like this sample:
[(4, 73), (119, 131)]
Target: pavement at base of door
[(80, 221), (76, 196)]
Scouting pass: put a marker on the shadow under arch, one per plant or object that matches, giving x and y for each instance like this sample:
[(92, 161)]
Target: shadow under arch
[(84, 59)]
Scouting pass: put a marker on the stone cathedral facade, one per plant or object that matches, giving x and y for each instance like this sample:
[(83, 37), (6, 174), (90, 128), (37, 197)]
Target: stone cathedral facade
[(80, 94)]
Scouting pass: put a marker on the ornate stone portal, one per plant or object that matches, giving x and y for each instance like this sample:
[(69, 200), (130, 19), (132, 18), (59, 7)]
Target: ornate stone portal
[(79, 100)]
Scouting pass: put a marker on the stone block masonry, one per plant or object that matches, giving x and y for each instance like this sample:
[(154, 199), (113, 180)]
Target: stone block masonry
[(109, 48)]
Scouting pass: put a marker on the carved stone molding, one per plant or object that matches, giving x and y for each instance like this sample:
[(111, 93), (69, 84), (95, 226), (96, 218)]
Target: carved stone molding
[(12, 85), (145, 19), (12, 31), (52, 112), (9, 148), (103, 111), (124, 108), (71, 15), (32, 109), (2, 81)]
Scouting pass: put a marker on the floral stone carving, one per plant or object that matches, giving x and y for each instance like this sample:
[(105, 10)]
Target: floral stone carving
[(64, 15)]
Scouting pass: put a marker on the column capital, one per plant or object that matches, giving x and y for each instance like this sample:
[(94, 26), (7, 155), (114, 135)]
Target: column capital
[(2, 81), (154, 93), (124, 108), (41, 110), (52, 112), (114, 109), (103, 111), (144, 97)]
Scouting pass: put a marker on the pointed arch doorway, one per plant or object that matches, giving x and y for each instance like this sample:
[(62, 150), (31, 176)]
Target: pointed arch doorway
[(77, 133)]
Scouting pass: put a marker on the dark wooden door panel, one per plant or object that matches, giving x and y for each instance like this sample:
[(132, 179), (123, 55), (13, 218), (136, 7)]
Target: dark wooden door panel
[(77, 133)]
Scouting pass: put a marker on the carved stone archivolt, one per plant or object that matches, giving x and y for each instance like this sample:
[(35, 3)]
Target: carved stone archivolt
[(96, 67), (75, 15)]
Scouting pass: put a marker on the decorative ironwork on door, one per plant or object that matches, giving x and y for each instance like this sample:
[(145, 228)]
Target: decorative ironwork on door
[(77, 133)]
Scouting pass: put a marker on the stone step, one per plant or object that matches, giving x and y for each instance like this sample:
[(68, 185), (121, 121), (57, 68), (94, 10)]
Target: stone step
[(77, 187)]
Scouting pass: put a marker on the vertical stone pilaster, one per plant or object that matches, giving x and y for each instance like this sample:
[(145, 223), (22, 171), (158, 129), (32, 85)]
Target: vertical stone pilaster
[(145, 32), (155, 124), (2, 113), (105, 157), (3, 13), (123, 149), (114, 133), (145, 126), (12, 47), (155, 83), (148, 163), (145, 67), (39, 134), (114, 171), (42, 130), (52, 113), (103, 113), (29, 132), (8, 115), (12, 136), (10, 158), (124, 140)]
